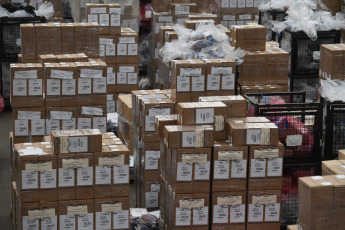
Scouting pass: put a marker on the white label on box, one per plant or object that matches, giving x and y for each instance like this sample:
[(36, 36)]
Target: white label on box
[(237, 213), (266, 153), (29, 180), (275, 167), (48, 179), (132, 49), (29, 115), (75, 163), (121, 220), (253, 136), (132, 78), (21, 127), (103, 220), (29, 74), (126, 69), (115, 20), (91, 73), (121, 78), (78, 144), (102, 50), (84, 86), (264, 199), (228, 82), (61, 74), (68, 124), (91, 111), (92, 18), (188, 139), (233, 4), (255, 213), (241, 3), (85, 222), (220, 214), (121, 174), (258, 168), (230, 155), (183, 84), (249, 3), (151, 199), (112, 208), (41, 214), (202, 171), (229, 200), (103, 174), (221, 170), (102, 10), (183, 217), (104, 19), (165, 18), (239, 169), (100, 123), (110, 76), (121, 49), (245, 16), (200, 216), (99, 85), (84, 123), (52, 125), (213, 82), (218, 123), (272, 212), (85, 176), (66, 177), (293, 140), (155, 188), (184, 172), (181, 9), (61, 115), (198, 83), (110, 50), (190, 71), (151, 160), (181, 21), (35, 87), (30, 224), (19, 88), (67, 222), (39, 167), (194, 158), (204, 116), (229, 17), (127, 40), (49, 223), (257, 3), (68, 87), (106, 41), (225, 3)]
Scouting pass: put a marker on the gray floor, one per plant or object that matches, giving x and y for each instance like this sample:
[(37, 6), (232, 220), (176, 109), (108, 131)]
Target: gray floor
[(5, 177)]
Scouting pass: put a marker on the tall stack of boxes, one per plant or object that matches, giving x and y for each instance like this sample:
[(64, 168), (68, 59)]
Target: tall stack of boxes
[(79, 180)]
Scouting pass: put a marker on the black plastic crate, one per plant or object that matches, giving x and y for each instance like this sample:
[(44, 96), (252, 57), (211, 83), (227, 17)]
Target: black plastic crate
[(304, 52), (334, 133), (265, 18), (309, 85)]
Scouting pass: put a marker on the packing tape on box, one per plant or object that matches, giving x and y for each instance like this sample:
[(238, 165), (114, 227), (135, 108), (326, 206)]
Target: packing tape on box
[(118, 160), (184, 72), (265, 199), (39, 167), (61, 115), (31, 151), (79, 210), (265, 137), (111, 208), (218, 123), (92, 111), (40, 214), (266, 153), (229, 201), (75, 163), (194, 158), (199, 138), (29, 115), (230, 155), (61, 74), (192, 203), (91, 73), (221, 70), (28, 74)]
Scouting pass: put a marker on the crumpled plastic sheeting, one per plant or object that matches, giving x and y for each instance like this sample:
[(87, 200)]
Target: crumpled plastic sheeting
[(281, 5), (206, 42), (19, 13), (45, 10), (332, 90), (302, 17)]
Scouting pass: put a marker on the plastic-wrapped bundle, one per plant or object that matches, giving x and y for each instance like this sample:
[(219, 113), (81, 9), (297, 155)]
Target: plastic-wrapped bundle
[(145, 222), (206, 42), (332, 90)]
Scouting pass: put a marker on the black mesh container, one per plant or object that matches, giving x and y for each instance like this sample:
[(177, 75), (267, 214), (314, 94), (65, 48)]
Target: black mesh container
[(6, 81), (304, 52), (309, 85), (334, 134)]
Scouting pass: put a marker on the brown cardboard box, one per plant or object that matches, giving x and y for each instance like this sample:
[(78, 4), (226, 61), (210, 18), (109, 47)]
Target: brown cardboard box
[(229, 210), (230, 167), (191, 136), (127, 47), (171, 36), (190, 170), (194, 24), (94, 117), (263, 209), (67, 38), (236, 105), (107, 48), (48, 39), (57, 118), (249, 37), (265, 167), (158, 20), (277, 66), (162, 33), (112, 213), (341, 154), (253, 134), (204, 113), (74, 213), (247, 120), (150, 195), (127, 78), (159, 6), (78, 141), (293, 227), (204, 16), (86, 37), (315, 203), (338, 182), (332, 61), (98, 13), (29, 122), (28, 41), (150, 161), (125, 106), (113, 160), (27, 85), (333, 167), (164, 120), (47, 58)]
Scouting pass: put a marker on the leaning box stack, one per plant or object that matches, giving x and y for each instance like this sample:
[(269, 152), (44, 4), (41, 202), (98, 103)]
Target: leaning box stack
[(79, 180)]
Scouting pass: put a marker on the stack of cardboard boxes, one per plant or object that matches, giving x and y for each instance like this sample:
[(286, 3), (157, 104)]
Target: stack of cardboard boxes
[(79, 180), (332, 61)]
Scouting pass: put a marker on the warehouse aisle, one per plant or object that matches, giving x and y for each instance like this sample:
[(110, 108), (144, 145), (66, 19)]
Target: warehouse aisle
[(5, 176)]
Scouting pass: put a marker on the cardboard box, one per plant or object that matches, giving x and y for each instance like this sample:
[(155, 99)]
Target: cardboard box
[(48, 38), (29, 122), (162, 33), (332, 61), (164, 120), (230, 167), (150, 161), (76, 141), (27, 32), (204, 16), (107, 48), (253, 134), (86, 37), (127, 47), (150, 195), (112, 213), (341, 154), (27, 85), (94, 117), (111, 78), (57, 118), (334, 167), (112, 172), (125, 106), (67, 38), (265, 167), (315, 203), (249, 37), (47, 58), (338, 182), (77, 214), (229, 210), (263, 209), (191, 136), (159, 6), (236, 105), (127, 78), (160, 19), (277, 66)]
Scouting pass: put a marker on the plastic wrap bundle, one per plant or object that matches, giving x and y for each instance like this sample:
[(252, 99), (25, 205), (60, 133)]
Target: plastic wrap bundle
[(332, 90), (17, 10), (303, 17), (206, 42), (145, 222), (278, 5)]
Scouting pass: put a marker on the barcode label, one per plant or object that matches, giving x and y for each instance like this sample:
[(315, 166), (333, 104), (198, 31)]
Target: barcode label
[(78, 144), (180, 9), (239, 169), (258, 168)]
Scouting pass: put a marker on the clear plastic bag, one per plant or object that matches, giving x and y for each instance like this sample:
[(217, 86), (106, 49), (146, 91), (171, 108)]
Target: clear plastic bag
[(332, 90), (46, 10)]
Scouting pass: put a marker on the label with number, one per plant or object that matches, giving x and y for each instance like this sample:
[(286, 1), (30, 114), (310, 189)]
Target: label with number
[(184, 172), (272, 212), (200, 216), (121, 220), (48, 179), (239, 169), (29, 180), (66, 177), (103, 220), (221, 170), (220, 214), (275, 167), (255, 213), (121, 174), (202, 171), (103, 174), (85, 222), (183, 217), (237, 213), (258, 168)]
